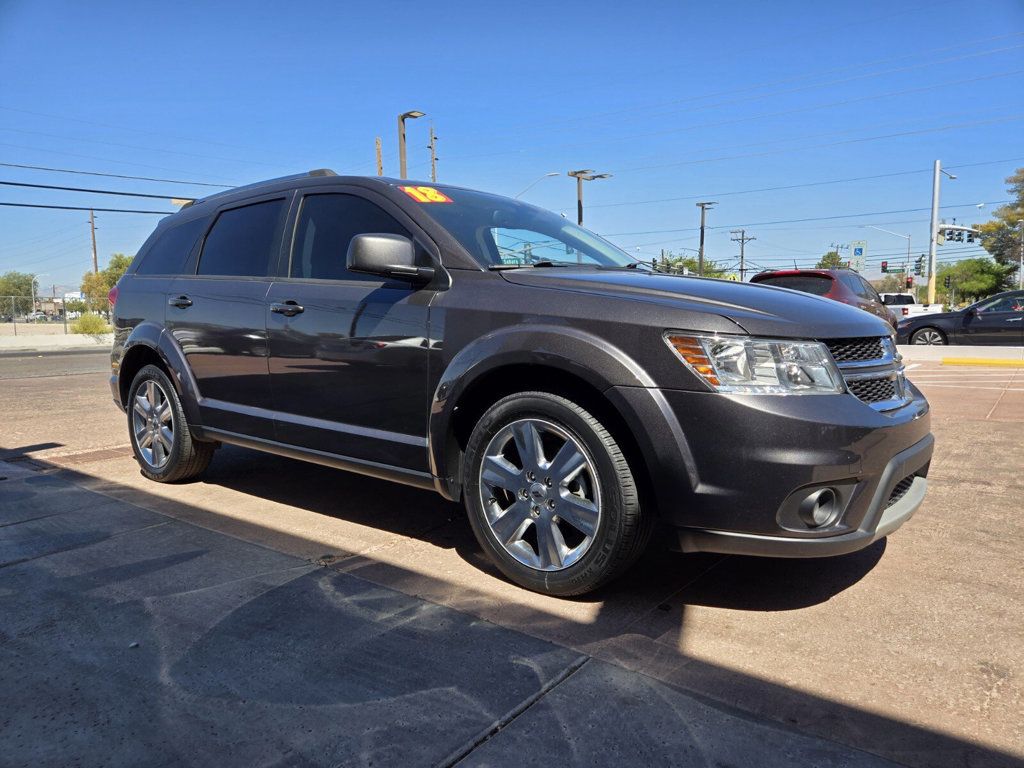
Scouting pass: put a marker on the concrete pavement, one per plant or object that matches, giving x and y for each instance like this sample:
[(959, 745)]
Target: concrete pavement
[(131, 638), (910, 650)]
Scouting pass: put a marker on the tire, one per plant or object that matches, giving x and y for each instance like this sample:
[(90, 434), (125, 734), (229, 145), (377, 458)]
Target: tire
[(573, 488), (928, 335), (163, 444)]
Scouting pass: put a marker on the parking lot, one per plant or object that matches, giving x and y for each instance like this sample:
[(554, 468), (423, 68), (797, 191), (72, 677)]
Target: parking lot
[(343, 620)]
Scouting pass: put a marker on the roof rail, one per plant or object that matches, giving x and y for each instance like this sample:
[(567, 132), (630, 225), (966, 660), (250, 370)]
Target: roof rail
[(291, 177)]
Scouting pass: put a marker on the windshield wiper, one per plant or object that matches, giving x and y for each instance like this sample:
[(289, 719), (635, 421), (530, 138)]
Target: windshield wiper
[(544, 263)]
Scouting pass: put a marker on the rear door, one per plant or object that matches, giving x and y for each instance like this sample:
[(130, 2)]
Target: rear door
[(217, 315), (348, 351)]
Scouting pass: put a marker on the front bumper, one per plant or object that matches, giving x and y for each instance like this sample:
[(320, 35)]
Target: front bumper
[(728, 472)]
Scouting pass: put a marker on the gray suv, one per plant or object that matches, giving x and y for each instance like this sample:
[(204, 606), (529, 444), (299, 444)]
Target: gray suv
[(574, 399)]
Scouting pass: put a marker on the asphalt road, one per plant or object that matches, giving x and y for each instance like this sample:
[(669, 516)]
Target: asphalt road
[(910, 650)]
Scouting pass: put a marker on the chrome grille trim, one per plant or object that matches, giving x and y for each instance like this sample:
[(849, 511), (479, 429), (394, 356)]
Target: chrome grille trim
[(878, 381)]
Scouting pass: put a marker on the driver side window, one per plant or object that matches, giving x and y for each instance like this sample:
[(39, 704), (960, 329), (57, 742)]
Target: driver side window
[(327, 223)]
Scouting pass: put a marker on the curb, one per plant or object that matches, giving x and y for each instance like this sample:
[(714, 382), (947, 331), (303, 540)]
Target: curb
[(986, 362)]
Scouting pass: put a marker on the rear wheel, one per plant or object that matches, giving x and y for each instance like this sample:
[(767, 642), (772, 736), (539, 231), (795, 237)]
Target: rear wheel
[(159, 432), (550, 495), (927, 336)]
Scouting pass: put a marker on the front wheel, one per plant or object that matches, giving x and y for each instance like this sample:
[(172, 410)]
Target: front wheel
[(927, 336), (159, 432), (550, 495)]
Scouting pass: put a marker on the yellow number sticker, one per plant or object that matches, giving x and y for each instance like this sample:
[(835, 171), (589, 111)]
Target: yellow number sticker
[(426, 195)]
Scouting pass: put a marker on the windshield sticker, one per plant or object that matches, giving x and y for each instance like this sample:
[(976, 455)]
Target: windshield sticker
[(426, 195)]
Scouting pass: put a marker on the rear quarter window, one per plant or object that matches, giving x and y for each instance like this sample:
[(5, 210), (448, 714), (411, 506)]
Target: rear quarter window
[(819, 285), (170, 251)]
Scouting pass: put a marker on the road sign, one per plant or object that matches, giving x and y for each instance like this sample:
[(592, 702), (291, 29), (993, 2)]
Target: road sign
[(858, 255)]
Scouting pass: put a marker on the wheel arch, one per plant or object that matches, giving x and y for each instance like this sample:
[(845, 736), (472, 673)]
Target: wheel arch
[(573, 365), (150, 344), (941, 331)]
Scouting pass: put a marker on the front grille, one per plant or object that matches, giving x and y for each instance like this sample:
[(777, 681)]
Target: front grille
[(873, 390), (900, 490), (855, 350)]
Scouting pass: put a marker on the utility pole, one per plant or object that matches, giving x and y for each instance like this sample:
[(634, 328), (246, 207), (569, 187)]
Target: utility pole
[(432, 146), (581, 176), (1020, 268), (92, 229), (412, 114), (742, 240), (933, 240), (703, 218), (380, 158)]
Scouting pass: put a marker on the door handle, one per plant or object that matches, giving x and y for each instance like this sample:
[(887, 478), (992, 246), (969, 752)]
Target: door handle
[(1015, 319), (181, 302), (287, 308)]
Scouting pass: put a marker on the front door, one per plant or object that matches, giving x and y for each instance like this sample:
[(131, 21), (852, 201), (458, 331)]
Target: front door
[(348, 352), (218, 317), (997, 321)]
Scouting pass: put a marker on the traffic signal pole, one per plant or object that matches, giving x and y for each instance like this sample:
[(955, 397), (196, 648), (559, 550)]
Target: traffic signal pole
[(933, 239)]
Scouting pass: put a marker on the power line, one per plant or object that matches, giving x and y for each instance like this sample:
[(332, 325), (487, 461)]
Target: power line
[(794, 186), (805, 147), (84, 208), (795, 221), (93, 191), (113, 175)]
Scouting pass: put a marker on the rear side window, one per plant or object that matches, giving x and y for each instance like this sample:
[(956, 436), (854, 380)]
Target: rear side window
[(819, 285), (244, 241), (327, 224), (168, 254), (860, 286)]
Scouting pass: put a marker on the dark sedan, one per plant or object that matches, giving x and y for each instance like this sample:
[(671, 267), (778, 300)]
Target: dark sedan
[(998, 319)]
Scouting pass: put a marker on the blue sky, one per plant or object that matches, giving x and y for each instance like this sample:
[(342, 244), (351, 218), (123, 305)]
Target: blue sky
[(681, 101)]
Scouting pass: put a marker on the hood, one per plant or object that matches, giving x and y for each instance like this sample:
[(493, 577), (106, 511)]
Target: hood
[(759, 310)]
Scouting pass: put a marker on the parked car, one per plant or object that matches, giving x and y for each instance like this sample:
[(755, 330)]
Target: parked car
[(998, 319), (841, 285), (492, 351)]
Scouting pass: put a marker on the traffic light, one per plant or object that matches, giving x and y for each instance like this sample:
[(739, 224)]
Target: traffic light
[(885, 267), (946, 281), (970, 237), (919, 266), (910, 282)]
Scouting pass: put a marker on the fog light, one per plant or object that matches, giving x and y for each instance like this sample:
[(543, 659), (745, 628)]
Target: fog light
[(819, 509)]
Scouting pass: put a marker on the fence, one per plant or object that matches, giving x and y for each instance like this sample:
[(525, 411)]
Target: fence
[(17, 317)]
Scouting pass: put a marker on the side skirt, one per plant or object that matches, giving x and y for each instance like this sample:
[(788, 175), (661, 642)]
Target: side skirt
[(411, 477)]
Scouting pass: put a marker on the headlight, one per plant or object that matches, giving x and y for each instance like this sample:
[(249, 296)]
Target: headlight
[(745, 365)]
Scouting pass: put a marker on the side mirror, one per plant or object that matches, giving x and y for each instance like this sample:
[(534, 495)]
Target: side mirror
[(387, 256)]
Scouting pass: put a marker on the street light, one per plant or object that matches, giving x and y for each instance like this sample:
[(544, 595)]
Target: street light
[(411, 115), (581, 176), (534, 183), (896, 234)]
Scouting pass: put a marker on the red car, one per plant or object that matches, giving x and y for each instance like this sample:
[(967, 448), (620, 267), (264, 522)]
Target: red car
[(842, 285)]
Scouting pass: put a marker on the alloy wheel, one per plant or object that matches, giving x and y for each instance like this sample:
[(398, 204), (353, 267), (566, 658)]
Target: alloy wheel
[(539, 490), (928, 336), (153, 424)]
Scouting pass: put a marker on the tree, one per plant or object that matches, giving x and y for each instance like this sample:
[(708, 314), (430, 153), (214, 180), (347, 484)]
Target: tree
[(96, 285), (1001, 235), (972, 279), (831, 260), (891, 284), (676, 264), (21, 285)]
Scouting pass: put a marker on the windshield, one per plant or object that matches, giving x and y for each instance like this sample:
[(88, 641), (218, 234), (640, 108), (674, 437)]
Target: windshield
[(501, 232)]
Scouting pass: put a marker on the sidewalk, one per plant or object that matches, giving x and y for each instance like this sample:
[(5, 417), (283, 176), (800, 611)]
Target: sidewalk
[(132, 638), (55, 343)]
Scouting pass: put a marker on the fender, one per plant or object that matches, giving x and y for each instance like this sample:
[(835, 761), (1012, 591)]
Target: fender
[(158, 339), (554, 346)]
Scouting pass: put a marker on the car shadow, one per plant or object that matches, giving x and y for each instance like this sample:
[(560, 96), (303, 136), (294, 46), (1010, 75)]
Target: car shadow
[(612, 625)]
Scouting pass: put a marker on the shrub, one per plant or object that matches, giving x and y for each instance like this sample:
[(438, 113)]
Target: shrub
[(91, 324)]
